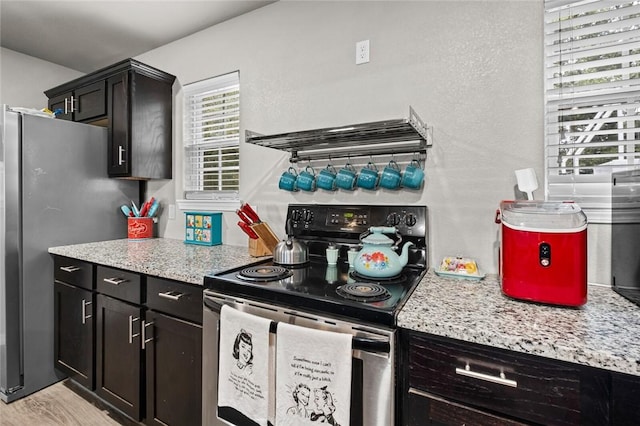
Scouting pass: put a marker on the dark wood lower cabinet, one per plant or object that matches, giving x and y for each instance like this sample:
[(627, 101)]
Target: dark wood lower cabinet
[(135, 340), (625, 399), (119, 363), (425, 409), (73, 333), (173, 370), (451, 382)]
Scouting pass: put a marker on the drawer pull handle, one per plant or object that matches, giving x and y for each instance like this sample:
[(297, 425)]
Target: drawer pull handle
[(70, 268), (131, 335), (501, 380), (171, 295), (114, 281), (85, 317)]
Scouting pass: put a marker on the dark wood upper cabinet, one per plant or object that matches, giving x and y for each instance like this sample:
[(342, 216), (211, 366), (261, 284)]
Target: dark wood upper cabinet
[(134, 101), (83, 104)]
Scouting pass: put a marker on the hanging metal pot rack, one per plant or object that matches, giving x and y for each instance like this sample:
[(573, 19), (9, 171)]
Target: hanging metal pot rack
[(389, 137)]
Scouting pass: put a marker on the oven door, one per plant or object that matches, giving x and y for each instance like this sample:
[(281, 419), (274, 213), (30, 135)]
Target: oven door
[(373, 368)]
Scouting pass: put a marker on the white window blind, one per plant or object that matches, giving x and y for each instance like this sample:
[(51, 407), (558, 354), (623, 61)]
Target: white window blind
[(592, 124), (211, 138)]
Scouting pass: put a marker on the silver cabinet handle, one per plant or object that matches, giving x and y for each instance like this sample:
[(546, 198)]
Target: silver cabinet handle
[(131, 321), (114, 281), (171, 295), (71, 104), (85, 317), (66, 109), (501, 380), (120, 153), (70, 268), (144, 334)]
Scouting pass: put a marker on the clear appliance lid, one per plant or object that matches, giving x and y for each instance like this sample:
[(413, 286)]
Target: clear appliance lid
[(543, 215)]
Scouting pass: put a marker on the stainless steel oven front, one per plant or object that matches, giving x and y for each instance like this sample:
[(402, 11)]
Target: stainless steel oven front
[(373, 362)]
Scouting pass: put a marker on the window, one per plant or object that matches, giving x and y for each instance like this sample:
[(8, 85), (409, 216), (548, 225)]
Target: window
[(211, 138), (592, 123)]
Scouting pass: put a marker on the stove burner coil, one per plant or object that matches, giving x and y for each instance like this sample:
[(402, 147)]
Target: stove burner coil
[(264, 273), (363, 292)]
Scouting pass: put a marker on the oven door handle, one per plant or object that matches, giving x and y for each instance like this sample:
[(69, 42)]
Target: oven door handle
[(209, 303), (371, 345), (358, 343)]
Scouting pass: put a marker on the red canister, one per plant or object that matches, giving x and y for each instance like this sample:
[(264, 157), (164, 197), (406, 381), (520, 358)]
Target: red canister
[(543, 252), (140, 228)]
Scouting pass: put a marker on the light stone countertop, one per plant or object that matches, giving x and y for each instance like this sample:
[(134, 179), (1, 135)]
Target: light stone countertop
[(603, 333), (160, 257)]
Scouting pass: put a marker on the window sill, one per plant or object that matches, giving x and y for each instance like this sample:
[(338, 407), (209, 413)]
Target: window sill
[(209, 205)]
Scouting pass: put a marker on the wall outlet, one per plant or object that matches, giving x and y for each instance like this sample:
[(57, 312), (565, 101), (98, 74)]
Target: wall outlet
[(172, 211), (362, 52)]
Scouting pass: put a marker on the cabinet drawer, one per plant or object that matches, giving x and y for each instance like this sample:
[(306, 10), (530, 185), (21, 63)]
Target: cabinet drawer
[(119, 284), (175, 298), (425, 409), (73, 271), (521, 386)]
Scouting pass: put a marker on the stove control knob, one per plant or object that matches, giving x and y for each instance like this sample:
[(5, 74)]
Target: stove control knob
[(410, 219), (295, 215), (393, 219), (307, 216)]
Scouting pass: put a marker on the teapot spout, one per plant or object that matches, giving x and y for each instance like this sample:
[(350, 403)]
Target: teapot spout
[(404, 255)]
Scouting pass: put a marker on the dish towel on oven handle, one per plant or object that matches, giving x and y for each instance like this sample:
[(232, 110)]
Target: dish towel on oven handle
[(313, 376), (243, 368)]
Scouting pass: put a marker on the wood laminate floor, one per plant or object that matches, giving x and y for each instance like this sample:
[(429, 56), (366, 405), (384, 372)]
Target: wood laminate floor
[(57, 405)]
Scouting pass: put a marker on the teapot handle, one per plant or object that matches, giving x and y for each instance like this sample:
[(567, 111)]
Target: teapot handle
[(385, 230)]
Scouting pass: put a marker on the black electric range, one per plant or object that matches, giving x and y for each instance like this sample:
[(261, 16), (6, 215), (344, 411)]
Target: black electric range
[(335, 289)]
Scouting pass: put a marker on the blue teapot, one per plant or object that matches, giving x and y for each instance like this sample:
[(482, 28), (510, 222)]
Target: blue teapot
[(377, 259)]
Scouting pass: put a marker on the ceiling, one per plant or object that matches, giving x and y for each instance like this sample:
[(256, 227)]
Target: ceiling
[(86, 35)]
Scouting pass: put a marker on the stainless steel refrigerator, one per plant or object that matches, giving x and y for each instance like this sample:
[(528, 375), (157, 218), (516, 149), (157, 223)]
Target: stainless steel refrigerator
[(54, 191)]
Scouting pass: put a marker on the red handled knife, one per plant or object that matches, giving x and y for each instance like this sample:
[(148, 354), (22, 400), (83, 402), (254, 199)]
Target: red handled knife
[(247, 230), (246, 209), (244, 216)]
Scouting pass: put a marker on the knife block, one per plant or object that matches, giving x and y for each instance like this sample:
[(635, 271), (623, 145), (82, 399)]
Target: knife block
[(266, 236), (257, 248)]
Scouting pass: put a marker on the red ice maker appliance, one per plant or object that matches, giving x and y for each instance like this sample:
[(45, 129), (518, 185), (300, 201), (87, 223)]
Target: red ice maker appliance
[(543, 252)]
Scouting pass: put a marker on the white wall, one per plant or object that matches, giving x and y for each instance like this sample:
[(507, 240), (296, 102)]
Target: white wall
[(23, 79), (471, 70)]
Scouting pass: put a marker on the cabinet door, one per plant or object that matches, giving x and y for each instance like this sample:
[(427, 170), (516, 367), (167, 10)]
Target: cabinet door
[(90, 101), (62, 102), (73, 331), (173, 371), (119, 110), (119, 354)]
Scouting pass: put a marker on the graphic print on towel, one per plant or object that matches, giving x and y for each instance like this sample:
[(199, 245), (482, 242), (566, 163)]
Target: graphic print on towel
[(313, 377), (243, 376)]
